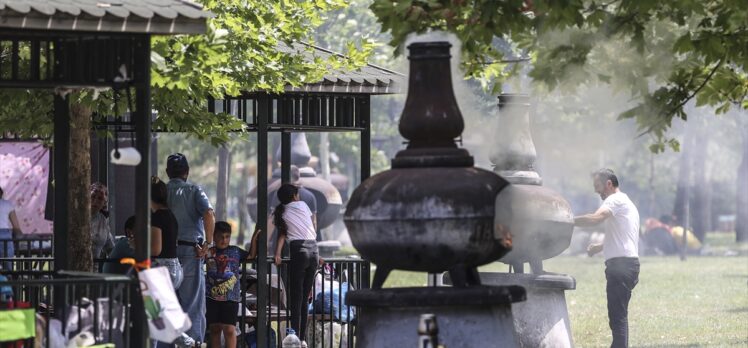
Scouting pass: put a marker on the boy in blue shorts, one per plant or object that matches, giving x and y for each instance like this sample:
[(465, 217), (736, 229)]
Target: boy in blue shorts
[(223, 266)]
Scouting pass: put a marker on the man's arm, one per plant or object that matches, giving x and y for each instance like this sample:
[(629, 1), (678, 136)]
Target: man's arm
[(593, 219), (209, 222), (314, 221)]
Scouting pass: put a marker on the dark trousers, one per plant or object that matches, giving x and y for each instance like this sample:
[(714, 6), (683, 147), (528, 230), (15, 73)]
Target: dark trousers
[(622, 274), (304, 261)]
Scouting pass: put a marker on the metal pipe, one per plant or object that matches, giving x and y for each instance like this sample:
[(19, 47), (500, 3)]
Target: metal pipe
[(61, 163), (264, 111), (142, 116)]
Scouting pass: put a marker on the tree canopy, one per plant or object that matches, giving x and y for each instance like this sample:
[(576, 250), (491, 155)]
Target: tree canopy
[(662, 53), (238, 53)]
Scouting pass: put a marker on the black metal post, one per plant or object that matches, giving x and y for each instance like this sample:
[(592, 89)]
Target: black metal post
[(285, 156), (142, 117), (154, 156), (61, 169), (263, 115), (363, 108)]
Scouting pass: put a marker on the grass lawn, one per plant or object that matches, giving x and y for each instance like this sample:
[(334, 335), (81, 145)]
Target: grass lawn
[(700, 302)]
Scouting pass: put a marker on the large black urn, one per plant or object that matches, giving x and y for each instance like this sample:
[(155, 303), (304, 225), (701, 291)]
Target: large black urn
[(433, 211)]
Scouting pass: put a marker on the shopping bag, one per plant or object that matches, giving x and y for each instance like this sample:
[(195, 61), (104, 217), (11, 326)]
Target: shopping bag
[(166, 320), (17, 324)]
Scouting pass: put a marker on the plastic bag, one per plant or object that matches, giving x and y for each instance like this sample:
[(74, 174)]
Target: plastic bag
[(82, 317), (333, 301), (166, 320), (319, 332), (251, 338)]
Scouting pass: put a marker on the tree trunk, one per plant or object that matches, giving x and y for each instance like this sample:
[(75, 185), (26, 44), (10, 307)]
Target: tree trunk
[(741, 211), (684, 182), (79, 218), (700, 217), (324, 155), (241, 204), (223, 183), (652, 188)]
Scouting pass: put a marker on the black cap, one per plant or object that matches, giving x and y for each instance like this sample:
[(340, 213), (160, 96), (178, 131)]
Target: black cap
[(177, 161)]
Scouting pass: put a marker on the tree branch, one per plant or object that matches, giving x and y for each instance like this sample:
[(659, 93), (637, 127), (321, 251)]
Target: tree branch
[(602, 6), (697, 90), (688, 98)]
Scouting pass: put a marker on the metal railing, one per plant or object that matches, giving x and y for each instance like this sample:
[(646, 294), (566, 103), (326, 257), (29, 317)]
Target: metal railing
[(328, 316), (330, 323), (68, 304), (26, 257)]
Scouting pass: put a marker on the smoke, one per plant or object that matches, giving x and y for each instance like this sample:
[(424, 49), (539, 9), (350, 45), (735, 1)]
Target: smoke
[(575, 128), (480, 120)]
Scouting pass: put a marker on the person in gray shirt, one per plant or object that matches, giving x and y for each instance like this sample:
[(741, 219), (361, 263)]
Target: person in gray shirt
[(189, 204), (102, 241)]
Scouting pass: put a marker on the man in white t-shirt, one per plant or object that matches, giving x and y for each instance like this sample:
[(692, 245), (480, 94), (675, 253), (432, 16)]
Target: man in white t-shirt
[(620, 248)]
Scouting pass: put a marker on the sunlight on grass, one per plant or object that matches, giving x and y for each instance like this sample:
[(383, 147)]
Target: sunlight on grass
[(700, 302)]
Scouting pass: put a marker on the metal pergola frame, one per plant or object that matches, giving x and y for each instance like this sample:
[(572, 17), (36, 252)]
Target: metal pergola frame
[(70, 70), (298, 110), (74, 46), (286, 113), (340, 105)]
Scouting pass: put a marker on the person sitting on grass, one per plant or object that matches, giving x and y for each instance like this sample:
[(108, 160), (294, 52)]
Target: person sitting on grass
[(223, 268)]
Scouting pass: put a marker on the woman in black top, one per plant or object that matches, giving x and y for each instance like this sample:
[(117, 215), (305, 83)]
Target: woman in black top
[(164, 233)]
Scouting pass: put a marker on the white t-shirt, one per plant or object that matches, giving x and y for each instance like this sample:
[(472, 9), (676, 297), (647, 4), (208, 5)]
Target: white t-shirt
[(298, 218), (5, 208), (621, 229)]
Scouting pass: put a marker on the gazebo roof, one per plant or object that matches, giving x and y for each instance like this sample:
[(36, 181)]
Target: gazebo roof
[(110, 16), (369, 79)]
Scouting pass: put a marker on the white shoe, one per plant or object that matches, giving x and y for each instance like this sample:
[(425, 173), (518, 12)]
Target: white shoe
[(303, 344)]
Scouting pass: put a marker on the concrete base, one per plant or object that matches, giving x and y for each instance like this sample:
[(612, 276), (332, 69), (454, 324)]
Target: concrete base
[(466, 317), (542, 320)]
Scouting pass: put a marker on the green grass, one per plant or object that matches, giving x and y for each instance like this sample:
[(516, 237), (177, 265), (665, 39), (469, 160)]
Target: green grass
[(722, 243), (700, 302)]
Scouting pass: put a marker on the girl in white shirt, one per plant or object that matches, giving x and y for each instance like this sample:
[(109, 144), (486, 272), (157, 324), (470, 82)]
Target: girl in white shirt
[(293, 219), (8, 227)]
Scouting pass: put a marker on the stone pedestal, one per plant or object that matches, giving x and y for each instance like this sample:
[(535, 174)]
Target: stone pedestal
[(543, 319), (470, 317)]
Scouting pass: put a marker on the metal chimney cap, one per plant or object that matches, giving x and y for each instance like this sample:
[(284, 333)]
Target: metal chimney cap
[(429, 50)]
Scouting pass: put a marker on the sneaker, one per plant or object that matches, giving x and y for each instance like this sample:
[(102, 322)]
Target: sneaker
[(303, 344)]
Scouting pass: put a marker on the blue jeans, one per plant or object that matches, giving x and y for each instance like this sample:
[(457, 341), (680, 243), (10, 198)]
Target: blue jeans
[(175, 273), (6, 247), (192, 290)]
